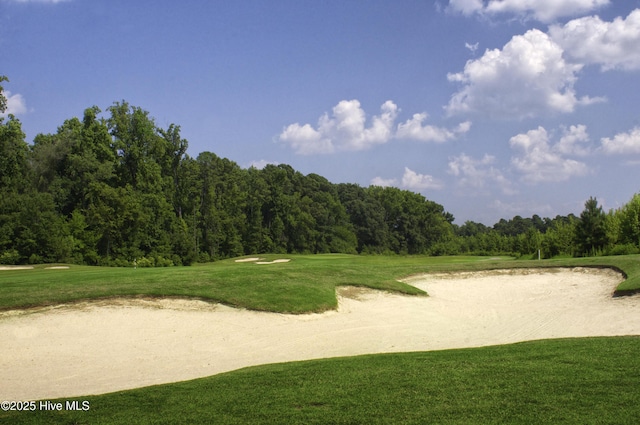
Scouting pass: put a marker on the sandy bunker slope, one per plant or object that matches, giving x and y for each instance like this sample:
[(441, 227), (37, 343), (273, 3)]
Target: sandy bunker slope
[(95, 348)]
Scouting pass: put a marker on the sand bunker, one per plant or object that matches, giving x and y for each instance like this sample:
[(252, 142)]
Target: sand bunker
[(258, 260), (16, 267), (94, 348), (281, 260)]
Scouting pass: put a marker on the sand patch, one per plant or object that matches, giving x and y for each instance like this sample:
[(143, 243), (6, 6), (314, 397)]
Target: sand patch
[(16, 267), (248, 260), (94, 348), (281, 260), (57, 268)]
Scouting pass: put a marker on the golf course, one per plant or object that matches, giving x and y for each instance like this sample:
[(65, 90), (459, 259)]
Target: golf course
[(325, 339)]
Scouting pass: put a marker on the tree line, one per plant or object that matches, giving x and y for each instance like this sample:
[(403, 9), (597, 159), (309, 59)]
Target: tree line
[(114, 189)]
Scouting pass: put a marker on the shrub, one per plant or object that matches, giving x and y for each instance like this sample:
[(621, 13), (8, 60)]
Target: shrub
[(146, 262), (204, 257), (10, 257), (163, 262), (623, 249)]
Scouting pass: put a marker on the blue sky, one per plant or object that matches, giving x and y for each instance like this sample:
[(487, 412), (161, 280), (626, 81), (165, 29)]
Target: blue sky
[(491, 108)]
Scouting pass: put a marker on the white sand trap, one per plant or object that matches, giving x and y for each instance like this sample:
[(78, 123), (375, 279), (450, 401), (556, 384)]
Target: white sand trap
[(99, 347), (281, 260), (248, 260), (57, 268), (16, 267)]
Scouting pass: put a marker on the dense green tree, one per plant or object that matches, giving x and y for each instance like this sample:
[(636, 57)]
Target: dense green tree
[(470, 228), (591, 236), (176, 148), (221, 207), (111, 190), (333, 231), (277, 206), (256, 237), (367, 217), (138, 146), (414, 223), (14, 171), (629, 216), (31, 229), (3, 98), (558, 240)]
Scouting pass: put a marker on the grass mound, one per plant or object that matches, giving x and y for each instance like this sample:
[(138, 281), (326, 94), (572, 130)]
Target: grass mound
[(305, 284), (568, 381)]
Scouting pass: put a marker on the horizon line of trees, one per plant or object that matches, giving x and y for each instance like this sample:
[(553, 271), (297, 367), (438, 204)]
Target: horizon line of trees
[(111, 190)]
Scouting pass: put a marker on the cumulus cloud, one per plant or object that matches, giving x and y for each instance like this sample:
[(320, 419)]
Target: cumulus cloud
[(410, 180), (305, 140), (382, 182), (573, 141), (540, 161), (16, 104), (477, 173), (415, 181), (260, 164), (415, 130), (344, 130), (541, 10), (466, 7), (623, 143), (590, 40), (527, 78)]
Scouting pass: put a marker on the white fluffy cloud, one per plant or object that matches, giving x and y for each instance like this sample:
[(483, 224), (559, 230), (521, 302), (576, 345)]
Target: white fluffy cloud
[(623, 143), (382, 182), (410, 180), (527, 78), (466, 7), (541, 10), (415, 181), (415, 130), (540, 161), (573, 141), (16, 104), (611, 45), (477, 173), (261, 163), (344, 130), (305, 140)]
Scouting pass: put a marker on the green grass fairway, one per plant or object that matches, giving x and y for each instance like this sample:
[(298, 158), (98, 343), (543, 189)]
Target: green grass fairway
[(570, 381), (567, 381), (306, 284)]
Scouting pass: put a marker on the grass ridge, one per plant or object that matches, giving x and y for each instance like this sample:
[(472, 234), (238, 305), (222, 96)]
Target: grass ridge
[(568, 380)]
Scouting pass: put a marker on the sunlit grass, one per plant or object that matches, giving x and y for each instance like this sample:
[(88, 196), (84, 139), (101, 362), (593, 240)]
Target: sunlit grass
[(569, 381), (305, 284), (574, 381)]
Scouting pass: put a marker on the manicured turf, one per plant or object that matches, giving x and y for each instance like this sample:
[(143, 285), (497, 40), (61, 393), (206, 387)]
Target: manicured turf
[(570, 381), (306, 284)]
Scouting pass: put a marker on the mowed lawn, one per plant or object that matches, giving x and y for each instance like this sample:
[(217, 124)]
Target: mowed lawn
[(567, 381), (575, 381), (305, 284)]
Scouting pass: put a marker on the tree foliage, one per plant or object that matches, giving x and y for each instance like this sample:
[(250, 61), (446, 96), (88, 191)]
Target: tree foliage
[(591, 235), (117, 188)]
